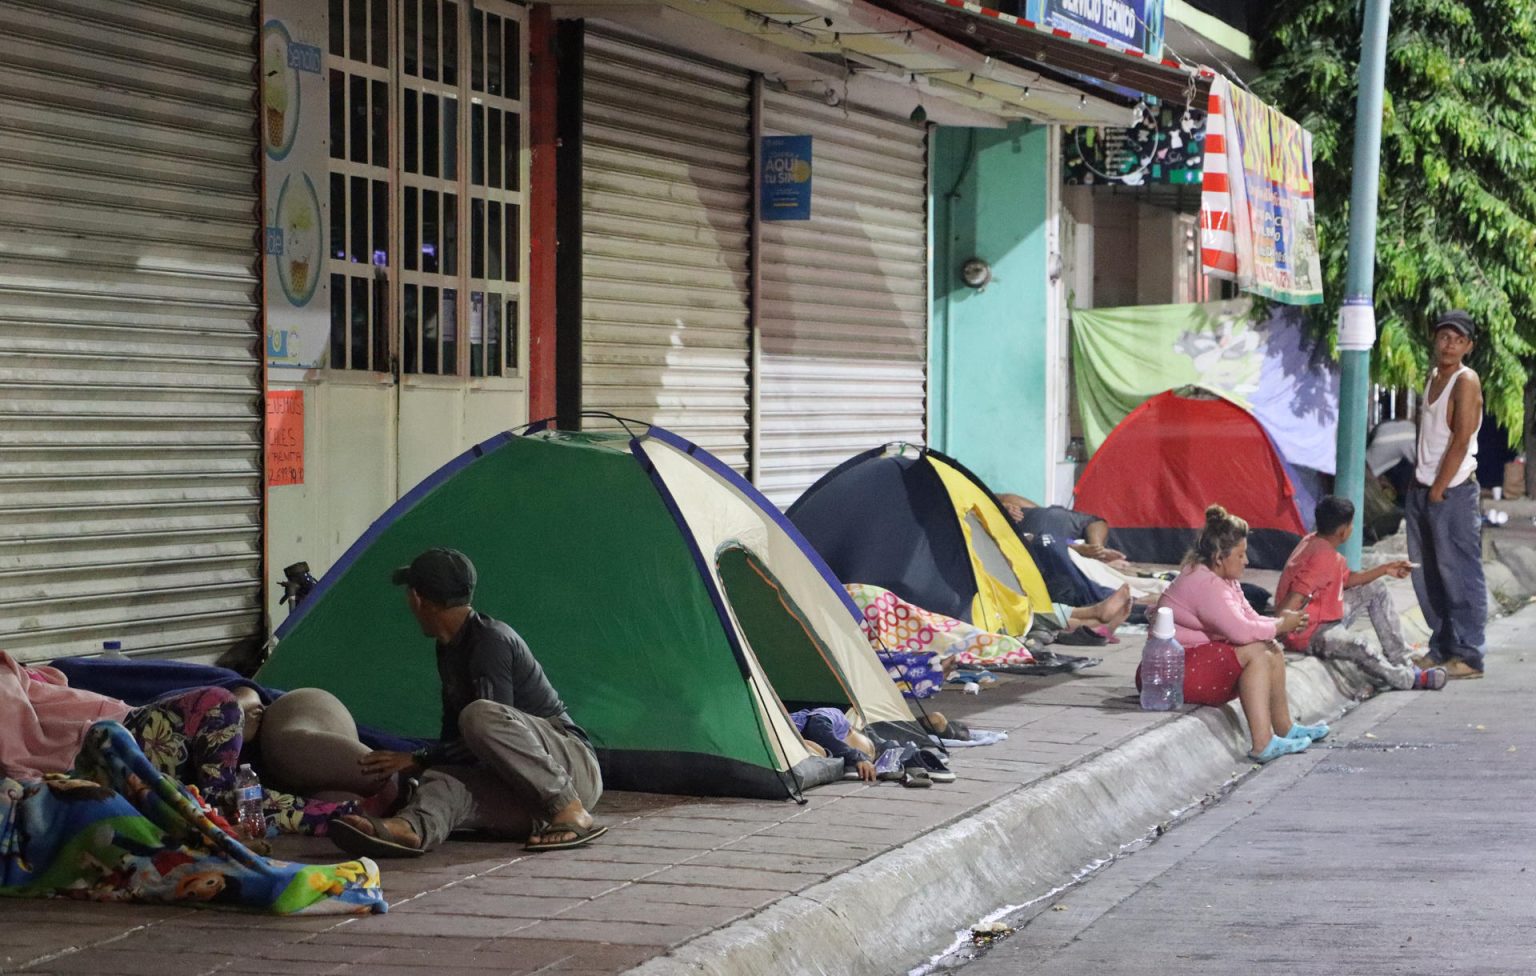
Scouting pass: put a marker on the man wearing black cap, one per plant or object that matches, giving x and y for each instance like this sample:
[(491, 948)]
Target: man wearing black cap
[(510, 760), (1442, 513)]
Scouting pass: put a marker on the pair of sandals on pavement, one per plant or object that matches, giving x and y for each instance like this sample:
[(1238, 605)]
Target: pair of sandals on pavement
[(361, 843), (915, 767)]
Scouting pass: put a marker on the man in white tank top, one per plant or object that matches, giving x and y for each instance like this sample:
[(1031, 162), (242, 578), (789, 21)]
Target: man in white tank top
[(1442, 513)]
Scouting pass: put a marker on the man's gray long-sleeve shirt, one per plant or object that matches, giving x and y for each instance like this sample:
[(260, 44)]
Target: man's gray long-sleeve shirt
[(487, 659)]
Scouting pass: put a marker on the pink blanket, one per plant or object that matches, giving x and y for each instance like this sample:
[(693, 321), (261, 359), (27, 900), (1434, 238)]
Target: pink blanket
[(43, 721)]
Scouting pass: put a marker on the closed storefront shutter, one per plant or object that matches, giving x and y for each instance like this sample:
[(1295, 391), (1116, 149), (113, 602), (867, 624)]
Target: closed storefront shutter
[(666, 207), (130, 378), (844, 301)]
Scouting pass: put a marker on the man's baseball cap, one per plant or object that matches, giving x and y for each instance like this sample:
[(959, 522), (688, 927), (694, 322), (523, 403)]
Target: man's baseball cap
[(1458, 320), (444, 576)]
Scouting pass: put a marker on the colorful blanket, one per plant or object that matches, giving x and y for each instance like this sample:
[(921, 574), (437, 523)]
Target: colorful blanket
[(122, 831), (916, 644)]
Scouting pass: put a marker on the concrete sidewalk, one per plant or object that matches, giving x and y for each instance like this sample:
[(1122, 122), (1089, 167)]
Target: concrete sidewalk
[(861, 879)]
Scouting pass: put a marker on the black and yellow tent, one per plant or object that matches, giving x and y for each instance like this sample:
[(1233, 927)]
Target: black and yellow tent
[(917, 523), (672, 606)]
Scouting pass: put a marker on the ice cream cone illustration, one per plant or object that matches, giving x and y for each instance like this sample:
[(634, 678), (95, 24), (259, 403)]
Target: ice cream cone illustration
[(298, 213), (275, 81), (298, 272), (275, 99)]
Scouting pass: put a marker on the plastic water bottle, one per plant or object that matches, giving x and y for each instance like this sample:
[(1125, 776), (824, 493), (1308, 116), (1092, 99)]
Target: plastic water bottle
[(1162, 666), (112, 649), (249, 819)]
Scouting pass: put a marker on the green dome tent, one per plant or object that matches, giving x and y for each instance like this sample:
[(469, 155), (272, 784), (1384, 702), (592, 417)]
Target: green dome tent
[(672, 606)]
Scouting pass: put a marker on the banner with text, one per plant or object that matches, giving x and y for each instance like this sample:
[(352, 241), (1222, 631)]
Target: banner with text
[(1130, 23), (295, 123), (785, 193), (1257, 225)]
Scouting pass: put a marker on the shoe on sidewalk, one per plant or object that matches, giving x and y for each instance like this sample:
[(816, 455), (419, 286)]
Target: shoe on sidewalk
[(1310, 733), (934, 764), (1279, 746), (1456, 668), (1424, 662), (1428, 679)]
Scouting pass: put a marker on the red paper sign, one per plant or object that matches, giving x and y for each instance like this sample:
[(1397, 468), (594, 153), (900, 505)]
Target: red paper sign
[(285, 437)]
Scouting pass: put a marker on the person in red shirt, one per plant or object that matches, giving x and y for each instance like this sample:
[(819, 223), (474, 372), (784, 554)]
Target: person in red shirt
[(1317, 578)]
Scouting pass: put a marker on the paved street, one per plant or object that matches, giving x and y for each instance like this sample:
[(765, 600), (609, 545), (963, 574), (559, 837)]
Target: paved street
[(1404, 844)]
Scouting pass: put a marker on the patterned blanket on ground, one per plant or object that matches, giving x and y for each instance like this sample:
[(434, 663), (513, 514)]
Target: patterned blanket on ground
[(916, 644), (122, 831)]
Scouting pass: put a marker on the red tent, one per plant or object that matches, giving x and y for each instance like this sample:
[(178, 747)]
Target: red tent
[(1160, 467)]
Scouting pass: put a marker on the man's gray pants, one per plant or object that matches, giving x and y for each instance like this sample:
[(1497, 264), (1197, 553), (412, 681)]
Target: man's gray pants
[(1389, 663), (528, 768), (1447, 538)]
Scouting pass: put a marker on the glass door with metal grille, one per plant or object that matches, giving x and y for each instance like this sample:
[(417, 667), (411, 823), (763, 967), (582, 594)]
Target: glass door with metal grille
[(427, 210)]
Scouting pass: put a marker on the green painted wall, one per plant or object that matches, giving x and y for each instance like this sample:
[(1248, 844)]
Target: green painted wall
[(987, 385)]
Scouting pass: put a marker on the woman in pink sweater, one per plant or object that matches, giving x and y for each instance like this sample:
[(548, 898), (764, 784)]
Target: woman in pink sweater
[(1230, 651)]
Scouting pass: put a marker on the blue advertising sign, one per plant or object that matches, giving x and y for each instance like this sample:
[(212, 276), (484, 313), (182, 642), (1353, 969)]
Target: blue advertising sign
[(785, 193), (1132, 23)]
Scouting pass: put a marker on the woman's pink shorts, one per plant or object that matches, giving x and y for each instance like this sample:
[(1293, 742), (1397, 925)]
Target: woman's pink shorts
[(1210, 674)]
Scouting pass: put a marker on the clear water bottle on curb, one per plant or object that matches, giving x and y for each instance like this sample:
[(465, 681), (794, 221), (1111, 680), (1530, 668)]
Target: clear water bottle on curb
[(112, 649), (249, 820), (1162, 666)]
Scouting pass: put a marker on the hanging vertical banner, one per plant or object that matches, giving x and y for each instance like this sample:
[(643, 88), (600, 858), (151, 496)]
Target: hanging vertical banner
[(295, 121), (786, 180), (1257, 225), (285, 437)]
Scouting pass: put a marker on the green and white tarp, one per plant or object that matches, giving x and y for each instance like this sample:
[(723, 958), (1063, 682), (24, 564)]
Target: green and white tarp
[(1123, 356), (672, 607)]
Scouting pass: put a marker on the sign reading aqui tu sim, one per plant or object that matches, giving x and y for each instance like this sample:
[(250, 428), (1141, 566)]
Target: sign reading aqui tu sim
[(1257, 225), (785, 190)]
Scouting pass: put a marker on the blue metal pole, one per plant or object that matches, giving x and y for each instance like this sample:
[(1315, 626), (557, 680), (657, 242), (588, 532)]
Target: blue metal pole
[(1357, 319)]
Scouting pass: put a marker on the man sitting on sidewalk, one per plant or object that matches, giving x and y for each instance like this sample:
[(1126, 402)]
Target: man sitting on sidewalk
[(1317, 578), (511, 761)]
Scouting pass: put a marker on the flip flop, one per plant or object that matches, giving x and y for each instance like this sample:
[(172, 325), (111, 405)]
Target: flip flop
[(937, 770), (362, 844), (584, 836)]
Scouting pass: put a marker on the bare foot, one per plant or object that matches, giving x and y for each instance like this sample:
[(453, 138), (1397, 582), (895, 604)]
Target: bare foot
[(1109, 612), (397, 831), (1118, 608)]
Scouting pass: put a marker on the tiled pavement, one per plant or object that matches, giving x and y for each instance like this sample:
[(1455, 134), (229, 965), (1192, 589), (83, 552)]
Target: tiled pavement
[(671, 869)]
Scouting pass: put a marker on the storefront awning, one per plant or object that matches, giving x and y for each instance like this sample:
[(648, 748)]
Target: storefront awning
[(846, 45), (1027, 45)]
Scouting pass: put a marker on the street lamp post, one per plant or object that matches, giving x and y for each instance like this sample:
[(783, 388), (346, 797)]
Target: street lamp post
[(1357, 319)]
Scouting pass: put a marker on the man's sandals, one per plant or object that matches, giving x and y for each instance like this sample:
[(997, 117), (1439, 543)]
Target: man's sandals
[(360, 843), (363, 844), (580, 836)]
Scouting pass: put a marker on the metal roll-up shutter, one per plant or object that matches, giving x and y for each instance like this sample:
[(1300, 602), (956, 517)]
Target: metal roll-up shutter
[(130, 377), (843, 308), (666, 215)]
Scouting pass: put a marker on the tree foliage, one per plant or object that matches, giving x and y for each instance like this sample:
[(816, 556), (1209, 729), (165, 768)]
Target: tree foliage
[(1457, 210)]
